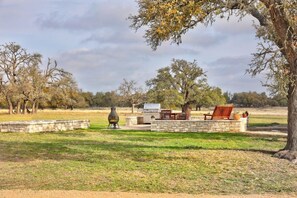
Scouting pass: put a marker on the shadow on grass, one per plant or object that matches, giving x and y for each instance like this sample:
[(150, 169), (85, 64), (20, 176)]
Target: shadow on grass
[(98, 127), (94, 151), (145, 136), (75, 133)]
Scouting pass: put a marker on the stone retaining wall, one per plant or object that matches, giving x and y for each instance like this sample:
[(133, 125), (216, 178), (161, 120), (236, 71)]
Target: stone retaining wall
[(199, 125), (43, 125), (134, 120), (131, 120)]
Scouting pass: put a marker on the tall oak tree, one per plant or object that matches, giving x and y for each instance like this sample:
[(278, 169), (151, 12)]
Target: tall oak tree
[(169, 20)]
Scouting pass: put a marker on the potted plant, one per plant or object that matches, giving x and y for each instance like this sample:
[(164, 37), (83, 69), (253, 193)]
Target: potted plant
[(236, 116), (245, 114)]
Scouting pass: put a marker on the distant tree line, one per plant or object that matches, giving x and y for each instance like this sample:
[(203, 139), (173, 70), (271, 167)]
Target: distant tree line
[(211, 98), (25, 87), (254, 99), (181, 85)]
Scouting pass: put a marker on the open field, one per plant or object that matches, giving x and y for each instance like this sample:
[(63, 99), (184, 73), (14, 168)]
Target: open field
[(96, 117), (258, 116), (98, 159)]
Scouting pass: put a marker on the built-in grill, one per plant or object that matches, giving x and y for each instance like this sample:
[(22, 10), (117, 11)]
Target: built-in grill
[(151, 111), (113, 118)]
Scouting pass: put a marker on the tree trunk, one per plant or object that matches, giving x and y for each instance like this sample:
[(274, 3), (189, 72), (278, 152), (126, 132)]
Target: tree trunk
[(292, 121), (36, 107), (286, 42), (186, 108), (10, 106), (25, 107), (290, 150), (133, 107), (198, 107), (18, 107)]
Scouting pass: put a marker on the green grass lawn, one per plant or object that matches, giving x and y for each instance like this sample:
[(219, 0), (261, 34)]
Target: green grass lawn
[(138, 161), (267, 120), (99, 118)]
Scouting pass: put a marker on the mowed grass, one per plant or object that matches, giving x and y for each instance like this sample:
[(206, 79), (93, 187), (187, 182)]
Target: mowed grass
[(141, 161), (96, 117), (99, 117), (267, 120)]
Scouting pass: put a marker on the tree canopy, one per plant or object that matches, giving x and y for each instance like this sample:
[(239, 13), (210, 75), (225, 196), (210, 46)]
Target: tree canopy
[(210, 97), (22, 82), (130, 93), (178, 84), (169, 20)]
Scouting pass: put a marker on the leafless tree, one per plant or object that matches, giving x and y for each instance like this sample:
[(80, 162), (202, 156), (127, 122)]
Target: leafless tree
[(23, 83), (131, 93), (13, 60)]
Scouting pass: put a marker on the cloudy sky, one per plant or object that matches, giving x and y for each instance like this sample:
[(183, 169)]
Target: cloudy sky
[(92, 40)]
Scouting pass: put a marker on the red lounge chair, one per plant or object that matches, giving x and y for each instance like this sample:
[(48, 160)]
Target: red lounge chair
[(220, 113)]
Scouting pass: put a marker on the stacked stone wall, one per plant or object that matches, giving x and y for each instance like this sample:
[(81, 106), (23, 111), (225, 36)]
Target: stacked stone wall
[(132, 120), (43, 125), (199, 125)]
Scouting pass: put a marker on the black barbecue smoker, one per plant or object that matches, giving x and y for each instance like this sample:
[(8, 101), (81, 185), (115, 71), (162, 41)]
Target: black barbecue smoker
[(113, 119)]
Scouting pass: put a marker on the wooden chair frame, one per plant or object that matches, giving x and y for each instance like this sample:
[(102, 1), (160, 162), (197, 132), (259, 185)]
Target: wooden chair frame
[(221, 112)]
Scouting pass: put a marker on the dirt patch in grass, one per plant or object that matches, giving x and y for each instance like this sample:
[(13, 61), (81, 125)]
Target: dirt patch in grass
[(92, 194)]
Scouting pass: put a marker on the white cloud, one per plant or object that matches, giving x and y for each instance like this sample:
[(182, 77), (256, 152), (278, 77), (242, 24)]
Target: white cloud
[(230, 74), (102, 14), (234, 26), (92, 40)]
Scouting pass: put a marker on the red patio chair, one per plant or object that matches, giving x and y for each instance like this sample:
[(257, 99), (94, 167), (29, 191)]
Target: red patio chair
[(220, 112)]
